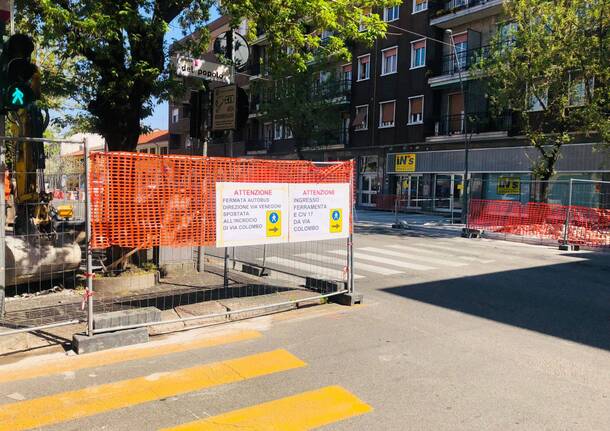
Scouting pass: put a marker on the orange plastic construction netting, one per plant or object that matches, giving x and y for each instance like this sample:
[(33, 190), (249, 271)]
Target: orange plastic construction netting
[(586, 226), (142, 200)]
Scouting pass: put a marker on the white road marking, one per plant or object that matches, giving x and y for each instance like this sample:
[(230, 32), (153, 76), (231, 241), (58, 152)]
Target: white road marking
[(455, 252), (360, 266), (308, 267), (378, 259), (413, 256)]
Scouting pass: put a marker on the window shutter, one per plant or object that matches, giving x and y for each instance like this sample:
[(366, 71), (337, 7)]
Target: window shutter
[(389, 52), (418, 2), (365, 60), (460, 38), (416, 105), (387, 112), (347, 68), (419, 44)]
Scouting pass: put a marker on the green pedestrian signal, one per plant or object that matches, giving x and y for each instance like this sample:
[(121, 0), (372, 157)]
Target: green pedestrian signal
[(17, 97)]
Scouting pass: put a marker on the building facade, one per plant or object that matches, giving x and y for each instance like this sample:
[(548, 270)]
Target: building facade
[(409, 109)]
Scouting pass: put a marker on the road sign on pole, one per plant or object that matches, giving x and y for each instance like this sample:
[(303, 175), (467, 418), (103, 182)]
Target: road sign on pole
[(224, 113), (199, 68)]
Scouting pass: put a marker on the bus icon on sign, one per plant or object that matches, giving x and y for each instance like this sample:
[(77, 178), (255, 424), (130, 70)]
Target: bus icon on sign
[(274, 223), (336, 220)]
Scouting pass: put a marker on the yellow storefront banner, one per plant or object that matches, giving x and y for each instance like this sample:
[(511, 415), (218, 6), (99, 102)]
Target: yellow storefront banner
[(405, 162), (509, 186)]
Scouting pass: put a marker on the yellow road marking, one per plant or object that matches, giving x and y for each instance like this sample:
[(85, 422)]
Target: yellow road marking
[(109, 357), (90, 401), (301, 412)]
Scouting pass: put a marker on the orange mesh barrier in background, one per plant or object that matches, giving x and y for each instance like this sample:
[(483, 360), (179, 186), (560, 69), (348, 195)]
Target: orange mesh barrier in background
[(142, 200), (587, 226)]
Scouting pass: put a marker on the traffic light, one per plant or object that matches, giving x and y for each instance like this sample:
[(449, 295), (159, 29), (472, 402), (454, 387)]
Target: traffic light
[(16, 72)]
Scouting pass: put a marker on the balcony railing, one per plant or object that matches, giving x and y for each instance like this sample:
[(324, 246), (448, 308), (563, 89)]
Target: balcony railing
[(452, 64), (453, 6), (476, 122)]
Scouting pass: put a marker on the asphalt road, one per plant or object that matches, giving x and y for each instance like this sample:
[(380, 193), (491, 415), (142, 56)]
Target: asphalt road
[(456, 335)]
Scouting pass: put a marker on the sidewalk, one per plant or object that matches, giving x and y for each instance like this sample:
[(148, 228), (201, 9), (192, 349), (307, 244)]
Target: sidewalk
[(369, 218)]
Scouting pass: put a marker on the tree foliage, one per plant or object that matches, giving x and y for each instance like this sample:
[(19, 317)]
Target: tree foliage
[(120, 60), (304, 38), (550, 66)]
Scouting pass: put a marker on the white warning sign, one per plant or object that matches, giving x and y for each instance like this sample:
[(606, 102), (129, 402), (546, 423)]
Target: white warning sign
[(319, 211), (251, 213)]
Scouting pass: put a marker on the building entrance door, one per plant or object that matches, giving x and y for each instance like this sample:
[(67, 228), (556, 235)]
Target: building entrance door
[(409, 189), (448, 191)]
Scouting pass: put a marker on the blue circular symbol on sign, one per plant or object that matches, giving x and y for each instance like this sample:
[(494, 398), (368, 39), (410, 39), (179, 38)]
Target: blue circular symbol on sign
[(273, 218), (336, 215)]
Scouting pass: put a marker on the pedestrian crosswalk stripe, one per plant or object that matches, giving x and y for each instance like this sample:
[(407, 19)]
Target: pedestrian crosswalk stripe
[(361, 266), (308, 267), (385, 260), (413, 255), (423, 249), (301, 412), (108, 357), (454, 250), (90, 401)]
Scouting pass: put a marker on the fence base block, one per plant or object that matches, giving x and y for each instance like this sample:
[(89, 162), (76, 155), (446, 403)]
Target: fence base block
[(257, 271), (126, 317), (569, 247), (81, 343), (471, 233), (1, 301), (348, 299), (324, 286)]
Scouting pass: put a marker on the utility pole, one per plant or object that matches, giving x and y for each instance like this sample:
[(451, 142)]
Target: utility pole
[(465, 182)]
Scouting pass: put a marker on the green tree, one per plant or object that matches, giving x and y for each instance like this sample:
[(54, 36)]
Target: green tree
[(306, 38), (549, 64), (121, 60)]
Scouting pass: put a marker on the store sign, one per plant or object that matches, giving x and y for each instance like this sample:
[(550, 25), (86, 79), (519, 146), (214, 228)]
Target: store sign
[(269, 213), (509, 186), (225, 108), (199, 68), (405, 162), (319, 211)]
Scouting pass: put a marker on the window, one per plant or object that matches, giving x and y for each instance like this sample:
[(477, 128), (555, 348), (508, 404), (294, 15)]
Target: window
[(508, 31), (390, 60), (346, 76), (267, 134), (366, 11), (420, 5), (163, 150), (279, 130), (386, 116), (175, 115), (460, 56), (364, 67), (361, 120), (418, 53), (538, 98), (287, 131), (391, 13), (578, 90), (416, 110), (153, 150)]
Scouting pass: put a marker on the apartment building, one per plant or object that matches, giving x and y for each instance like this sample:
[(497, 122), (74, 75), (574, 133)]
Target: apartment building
[(408, 106)]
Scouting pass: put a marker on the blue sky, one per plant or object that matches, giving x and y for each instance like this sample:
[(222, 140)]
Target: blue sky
[(159, 118)]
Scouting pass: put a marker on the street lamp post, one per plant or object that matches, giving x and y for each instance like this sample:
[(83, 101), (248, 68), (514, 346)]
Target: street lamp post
[(465, 183)]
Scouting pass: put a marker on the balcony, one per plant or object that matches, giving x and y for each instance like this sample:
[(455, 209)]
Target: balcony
[(334, 91), (453, 13), (452, 66), (482, 125)]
